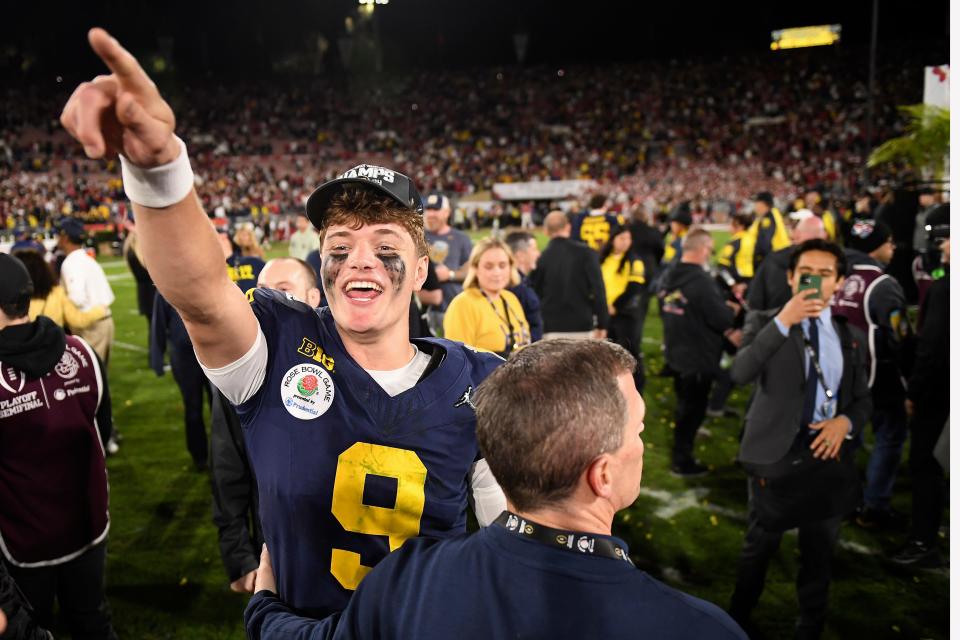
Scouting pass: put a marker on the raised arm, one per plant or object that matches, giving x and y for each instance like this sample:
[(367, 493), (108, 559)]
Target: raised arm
[(123, 113)]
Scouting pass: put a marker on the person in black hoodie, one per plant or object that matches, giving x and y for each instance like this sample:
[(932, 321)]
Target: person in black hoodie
[(695, 320), (54, 421)]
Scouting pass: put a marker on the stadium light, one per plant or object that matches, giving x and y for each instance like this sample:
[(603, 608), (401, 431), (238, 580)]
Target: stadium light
[(798, 37), (373, 2)]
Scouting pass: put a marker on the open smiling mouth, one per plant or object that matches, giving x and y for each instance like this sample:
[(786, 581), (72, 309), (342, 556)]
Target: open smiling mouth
[(362, 290)]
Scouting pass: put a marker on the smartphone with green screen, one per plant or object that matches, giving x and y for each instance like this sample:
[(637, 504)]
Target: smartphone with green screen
[(811, 282)]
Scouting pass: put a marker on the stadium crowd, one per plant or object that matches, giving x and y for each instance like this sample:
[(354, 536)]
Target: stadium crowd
[(344, 341), (653, 135)]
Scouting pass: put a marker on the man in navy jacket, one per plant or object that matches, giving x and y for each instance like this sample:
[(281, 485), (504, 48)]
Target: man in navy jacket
[(549, 567)]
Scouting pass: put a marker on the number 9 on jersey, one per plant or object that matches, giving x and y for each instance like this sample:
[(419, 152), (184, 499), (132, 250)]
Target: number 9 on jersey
[(397, 523)]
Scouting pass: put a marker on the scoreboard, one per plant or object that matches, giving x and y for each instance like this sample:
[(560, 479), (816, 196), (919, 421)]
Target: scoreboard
[(798, 37)]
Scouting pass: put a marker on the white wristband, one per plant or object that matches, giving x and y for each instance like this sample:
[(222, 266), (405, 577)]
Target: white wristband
[(158, 187)]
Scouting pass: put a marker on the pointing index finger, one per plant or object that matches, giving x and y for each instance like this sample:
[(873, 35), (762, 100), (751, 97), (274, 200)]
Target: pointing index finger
[(120, 61)]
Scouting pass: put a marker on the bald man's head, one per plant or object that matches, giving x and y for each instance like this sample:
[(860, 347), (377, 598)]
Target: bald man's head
[(557, 224), (292, 276), (808, 229)]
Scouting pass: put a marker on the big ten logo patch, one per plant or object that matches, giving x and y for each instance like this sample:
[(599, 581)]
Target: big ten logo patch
[(314, 351)]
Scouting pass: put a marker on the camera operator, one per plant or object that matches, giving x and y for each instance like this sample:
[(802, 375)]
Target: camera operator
[(928, 405)]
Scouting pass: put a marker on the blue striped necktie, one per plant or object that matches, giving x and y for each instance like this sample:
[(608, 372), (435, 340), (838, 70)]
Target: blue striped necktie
[(810, 397)]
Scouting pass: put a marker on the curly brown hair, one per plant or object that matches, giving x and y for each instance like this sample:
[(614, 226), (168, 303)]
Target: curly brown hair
[(355, 207)]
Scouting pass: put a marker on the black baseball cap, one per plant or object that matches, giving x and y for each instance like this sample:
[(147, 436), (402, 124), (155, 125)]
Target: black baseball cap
[(867, 235), (681, 213), (72, 228), (15, 282), (386, 181), (764, 196)]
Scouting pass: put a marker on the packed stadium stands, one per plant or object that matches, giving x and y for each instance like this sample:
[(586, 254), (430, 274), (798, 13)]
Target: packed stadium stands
[(652, 134)]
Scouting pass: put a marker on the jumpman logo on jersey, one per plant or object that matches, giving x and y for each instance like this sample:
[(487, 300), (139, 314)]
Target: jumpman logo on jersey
[(465, 399)]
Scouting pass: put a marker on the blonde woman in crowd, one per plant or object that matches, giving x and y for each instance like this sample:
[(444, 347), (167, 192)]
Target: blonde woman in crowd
[(485, 315), (50, 299), (246, 241)]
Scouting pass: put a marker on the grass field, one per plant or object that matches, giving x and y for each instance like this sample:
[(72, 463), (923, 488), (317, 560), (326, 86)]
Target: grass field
[(165, 579)]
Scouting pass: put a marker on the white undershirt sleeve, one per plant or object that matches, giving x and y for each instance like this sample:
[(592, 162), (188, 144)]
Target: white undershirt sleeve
[(242, 378), (486, 496)]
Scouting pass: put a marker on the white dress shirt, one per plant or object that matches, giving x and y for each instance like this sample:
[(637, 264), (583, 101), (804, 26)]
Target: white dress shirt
[(85, 282)]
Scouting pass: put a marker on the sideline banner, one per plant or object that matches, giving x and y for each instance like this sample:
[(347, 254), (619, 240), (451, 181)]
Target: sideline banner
[(549, 190)]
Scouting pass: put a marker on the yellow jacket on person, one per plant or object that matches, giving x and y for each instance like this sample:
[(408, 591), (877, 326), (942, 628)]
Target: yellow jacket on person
[(476, 321), (830, 225), (59, 308), (769, 234), (737, 256), (617, 278), (672, 247)]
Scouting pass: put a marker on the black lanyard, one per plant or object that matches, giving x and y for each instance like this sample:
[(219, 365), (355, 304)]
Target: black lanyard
[(816, 366), (585, 543), (513, 341)]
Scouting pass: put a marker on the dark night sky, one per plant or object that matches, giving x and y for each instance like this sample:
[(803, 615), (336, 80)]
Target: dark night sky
[(236, 36)]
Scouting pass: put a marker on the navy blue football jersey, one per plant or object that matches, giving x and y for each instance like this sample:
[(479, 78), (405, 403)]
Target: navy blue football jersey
[(593, 230), (347, 473)]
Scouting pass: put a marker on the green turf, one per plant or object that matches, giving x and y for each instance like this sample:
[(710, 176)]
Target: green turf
[(165, 579)]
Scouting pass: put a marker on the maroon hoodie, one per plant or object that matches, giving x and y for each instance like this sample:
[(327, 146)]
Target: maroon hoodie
[(53, 479)]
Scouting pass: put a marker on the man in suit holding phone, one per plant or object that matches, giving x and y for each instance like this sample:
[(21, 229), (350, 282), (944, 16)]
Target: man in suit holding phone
[(811, 401)]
